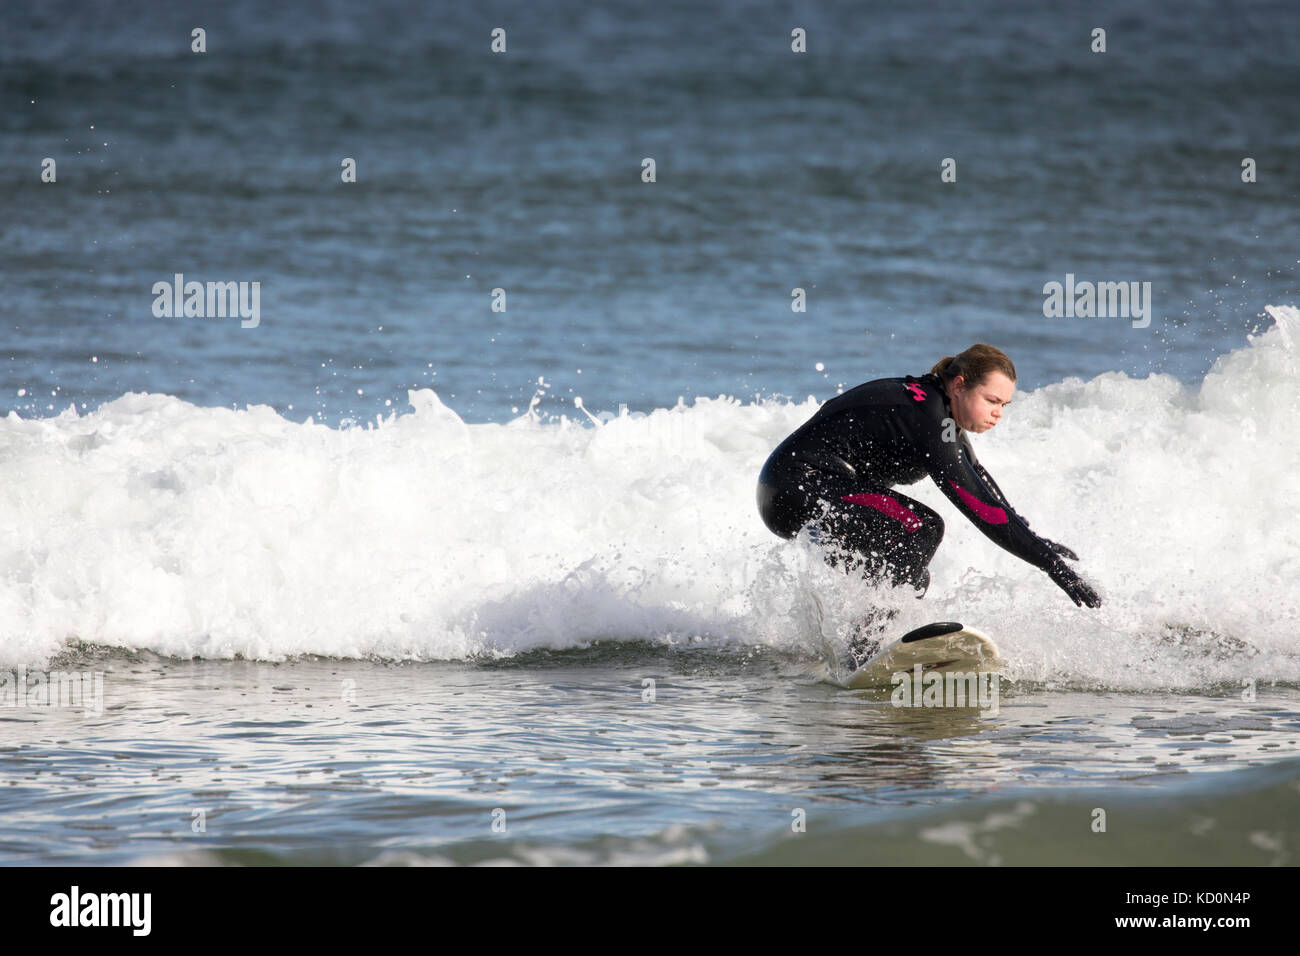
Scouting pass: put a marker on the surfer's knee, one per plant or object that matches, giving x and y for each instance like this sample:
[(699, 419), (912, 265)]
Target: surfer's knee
[(932, 527), (936, 528)]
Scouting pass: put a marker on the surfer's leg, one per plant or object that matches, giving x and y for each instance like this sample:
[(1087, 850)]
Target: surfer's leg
[(875, 532), (867, 635), (883, 535), (887, 534)]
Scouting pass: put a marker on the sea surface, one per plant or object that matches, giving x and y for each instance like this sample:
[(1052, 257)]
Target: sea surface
[(453, 557)]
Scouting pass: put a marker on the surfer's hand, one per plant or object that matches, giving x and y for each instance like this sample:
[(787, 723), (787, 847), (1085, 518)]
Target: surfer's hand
[(1061, 549), (1079, 590)]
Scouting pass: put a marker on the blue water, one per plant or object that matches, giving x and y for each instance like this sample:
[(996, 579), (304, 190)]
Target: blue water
[(495, 571), (736, 758), (522, 171)]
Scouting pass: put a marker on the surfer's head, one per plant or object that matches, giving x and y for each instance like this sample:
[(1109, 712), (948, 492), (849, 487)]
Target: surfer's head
[(980, 383)]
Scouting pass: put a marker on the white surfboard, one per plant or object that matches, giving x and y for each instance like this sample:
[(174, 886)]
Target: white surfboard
[(943, 646)]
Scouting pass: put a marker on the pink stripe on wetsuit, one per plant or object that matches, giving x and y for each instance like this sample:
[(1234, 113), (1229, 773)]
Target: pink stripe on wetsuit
[(985, 512), (889, 506)]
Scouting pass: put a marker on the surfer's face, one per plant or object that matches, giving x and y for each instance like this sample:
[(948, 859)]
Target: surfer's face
[(977, 408)]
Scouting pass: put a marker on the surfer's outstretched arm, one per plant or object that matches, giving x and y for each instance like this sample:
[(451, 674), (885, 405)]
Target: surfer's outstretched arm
[(959, 478), (1060, 549)]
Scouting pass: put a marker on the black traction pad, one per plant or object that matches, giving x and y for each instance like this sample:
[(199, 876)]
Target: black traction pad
[(937, 629)]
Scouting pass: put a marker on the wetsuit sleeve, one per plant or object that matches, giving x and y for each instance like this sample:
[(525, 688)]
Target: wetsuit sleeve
[(993, 486), (972, 490)]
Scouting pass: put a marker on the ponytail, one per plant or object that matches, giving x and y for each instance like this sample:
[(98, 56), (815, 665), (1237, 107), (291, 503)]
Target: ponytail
[(941, 367), (974, 365)]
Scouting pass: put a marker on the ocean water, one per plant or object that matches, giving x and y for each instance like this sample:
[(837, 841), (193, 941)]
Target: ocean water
[(393, 577)]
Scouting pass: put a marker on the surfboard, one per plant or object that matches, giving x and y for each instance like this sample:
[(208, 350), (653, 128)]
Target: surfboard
[(943, 646)]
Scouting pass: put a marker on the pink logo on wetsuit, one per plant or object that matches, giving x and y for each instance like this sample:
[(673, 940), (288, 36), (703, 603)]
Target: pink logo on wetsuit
[(918, 393)]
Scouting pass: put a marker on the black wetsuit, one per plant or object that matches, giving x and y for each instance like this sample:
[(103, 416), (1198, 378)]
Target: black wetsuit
[(837, 472)]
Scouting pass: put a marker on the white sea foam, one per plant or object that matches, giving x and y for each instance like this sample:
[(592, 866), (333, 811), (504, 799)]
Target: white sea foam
[(151, 523)]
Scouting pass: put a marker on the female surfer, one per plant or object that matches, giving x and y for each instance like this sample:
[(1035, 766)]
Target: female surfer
[(836, 474)]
